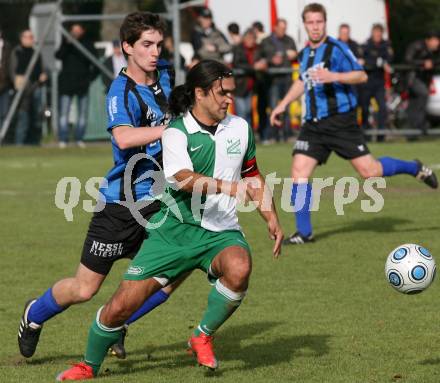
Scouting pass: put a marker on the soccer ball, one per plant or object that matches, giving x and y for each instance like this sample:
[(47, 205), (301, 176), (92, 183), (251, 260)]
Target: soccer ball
[(410, 268)]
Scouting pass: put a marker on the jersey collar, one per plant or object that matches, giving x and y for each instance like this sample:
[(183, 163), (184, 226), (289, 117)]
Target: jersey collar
[(192, 126), (325, 41), (123, 73)]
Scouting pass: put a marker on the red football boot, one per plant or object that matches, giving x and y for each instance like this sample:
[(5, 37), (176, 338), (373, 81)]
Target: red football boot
[(201, 346), (79, 371)]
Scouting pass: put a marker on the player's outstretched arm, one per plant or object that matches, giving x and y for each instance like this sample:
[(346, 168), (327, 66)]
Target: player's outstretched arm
[(262, 196), (295, 91), (129, 137), (193, 182)]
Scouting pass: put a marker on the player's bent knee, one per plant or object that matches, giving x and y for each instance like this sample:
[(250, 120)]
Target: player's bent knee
[(85, 293), (239, 272), (119, 310)]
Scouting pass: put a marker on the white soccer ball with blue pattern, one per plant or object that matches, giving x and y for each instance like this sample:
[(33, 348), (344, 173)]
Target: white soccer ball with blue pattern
[(410, 268)]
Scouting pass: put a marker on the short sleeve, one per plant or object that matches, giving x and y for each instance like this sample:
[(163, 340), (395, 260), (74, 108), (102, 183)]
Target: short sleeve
[(121, 110), (251, 150), (345, 60), (175, 153)]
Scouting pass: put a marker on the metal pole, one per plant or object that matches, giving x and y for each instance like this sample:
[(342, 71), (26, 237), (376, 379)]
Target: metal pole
[(54, 79), (54, 101), (29, 69), (114, 16), (176, 37), (86, 53)]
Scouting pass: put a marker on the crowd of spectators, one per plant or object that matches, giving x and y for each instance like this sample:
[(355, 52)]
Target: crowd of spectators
[(262, 64)]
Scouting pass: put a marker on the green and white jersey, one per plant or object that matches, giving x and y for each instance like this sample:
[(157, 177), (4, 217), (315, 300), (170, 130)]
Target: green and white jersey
[(226, 155)]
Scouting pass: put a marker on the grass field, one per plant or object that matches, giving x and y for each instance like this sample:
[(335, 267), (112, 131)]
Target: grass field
[(322, 313)]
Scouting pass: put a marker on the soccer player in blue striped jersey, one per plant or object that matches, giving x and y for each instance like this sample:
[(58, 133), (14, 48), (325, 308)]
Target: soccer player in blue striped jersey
[(328, 70), (137, 105)]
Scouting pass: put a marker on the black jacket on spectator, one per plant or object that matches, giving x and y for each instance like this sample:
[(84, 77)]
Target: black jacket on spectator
[(20, 59), (355, 48), (375, 56), (78, 71), (415, 55), (272, 45), (5, 76), (240, 61)]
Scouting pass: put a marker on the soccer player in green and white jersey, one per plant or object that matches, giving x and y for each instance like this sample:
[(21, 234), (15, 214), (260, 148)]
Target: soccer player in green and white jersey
[(209, 159)]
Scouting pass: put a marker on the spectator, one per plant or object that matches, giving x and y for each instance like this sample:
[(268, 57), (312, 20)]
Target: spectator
[(377, 55), (422, 55), (279, 50), (243, 59), (29, 112), (74, 80), (168, 52), (234, 34), (258, 28), (114, 64), (5, 79), (344, 35), (208, 42)]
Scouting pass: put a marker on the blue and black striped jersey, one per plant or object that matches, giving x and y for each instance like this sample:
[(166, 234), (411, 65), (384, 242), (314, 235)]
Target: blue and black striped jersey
[(136, 105), (324, 100)]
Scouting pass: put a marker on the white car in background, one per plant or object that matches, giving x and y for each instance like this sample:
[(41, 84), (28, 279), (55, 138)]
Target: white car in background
[(433, 106)]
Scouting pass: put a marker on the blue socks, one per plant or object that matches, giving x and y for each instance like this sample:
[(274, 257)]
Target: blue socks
[(301, 197), (151, 303), (44, 308), (393, 166)]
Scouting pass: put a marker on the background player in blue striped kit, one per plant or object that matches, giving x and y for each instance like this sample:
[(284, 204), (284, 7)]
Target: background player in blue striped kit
[(136, 105), (328, 69)]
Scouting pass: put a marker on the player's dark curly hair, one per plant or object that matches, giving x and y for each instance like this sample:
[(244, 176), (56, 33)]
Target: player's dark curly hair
[(137, 22), (201, 75)]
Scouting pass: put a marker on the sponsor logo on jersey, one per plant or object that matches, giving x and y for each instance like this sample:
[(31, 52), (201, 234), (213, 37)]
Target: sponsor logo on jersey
[(151, 117), (156, 90), (307, 75), (233, 146), (193, 149)]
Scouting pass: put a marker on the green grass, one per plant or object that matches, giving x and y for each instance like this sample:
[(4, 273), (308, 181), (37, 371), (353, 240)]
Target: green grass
[(322, 313)]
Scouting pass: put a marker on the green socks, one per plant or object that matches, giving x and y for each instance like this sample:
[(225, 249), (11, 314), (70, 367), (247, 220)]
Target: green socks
[(222, 302), (99, 341)]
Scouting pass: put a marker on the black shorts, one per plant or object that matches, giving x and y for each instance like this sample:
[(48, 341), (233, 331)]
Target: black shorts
[(339, 133), (114, 234)]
